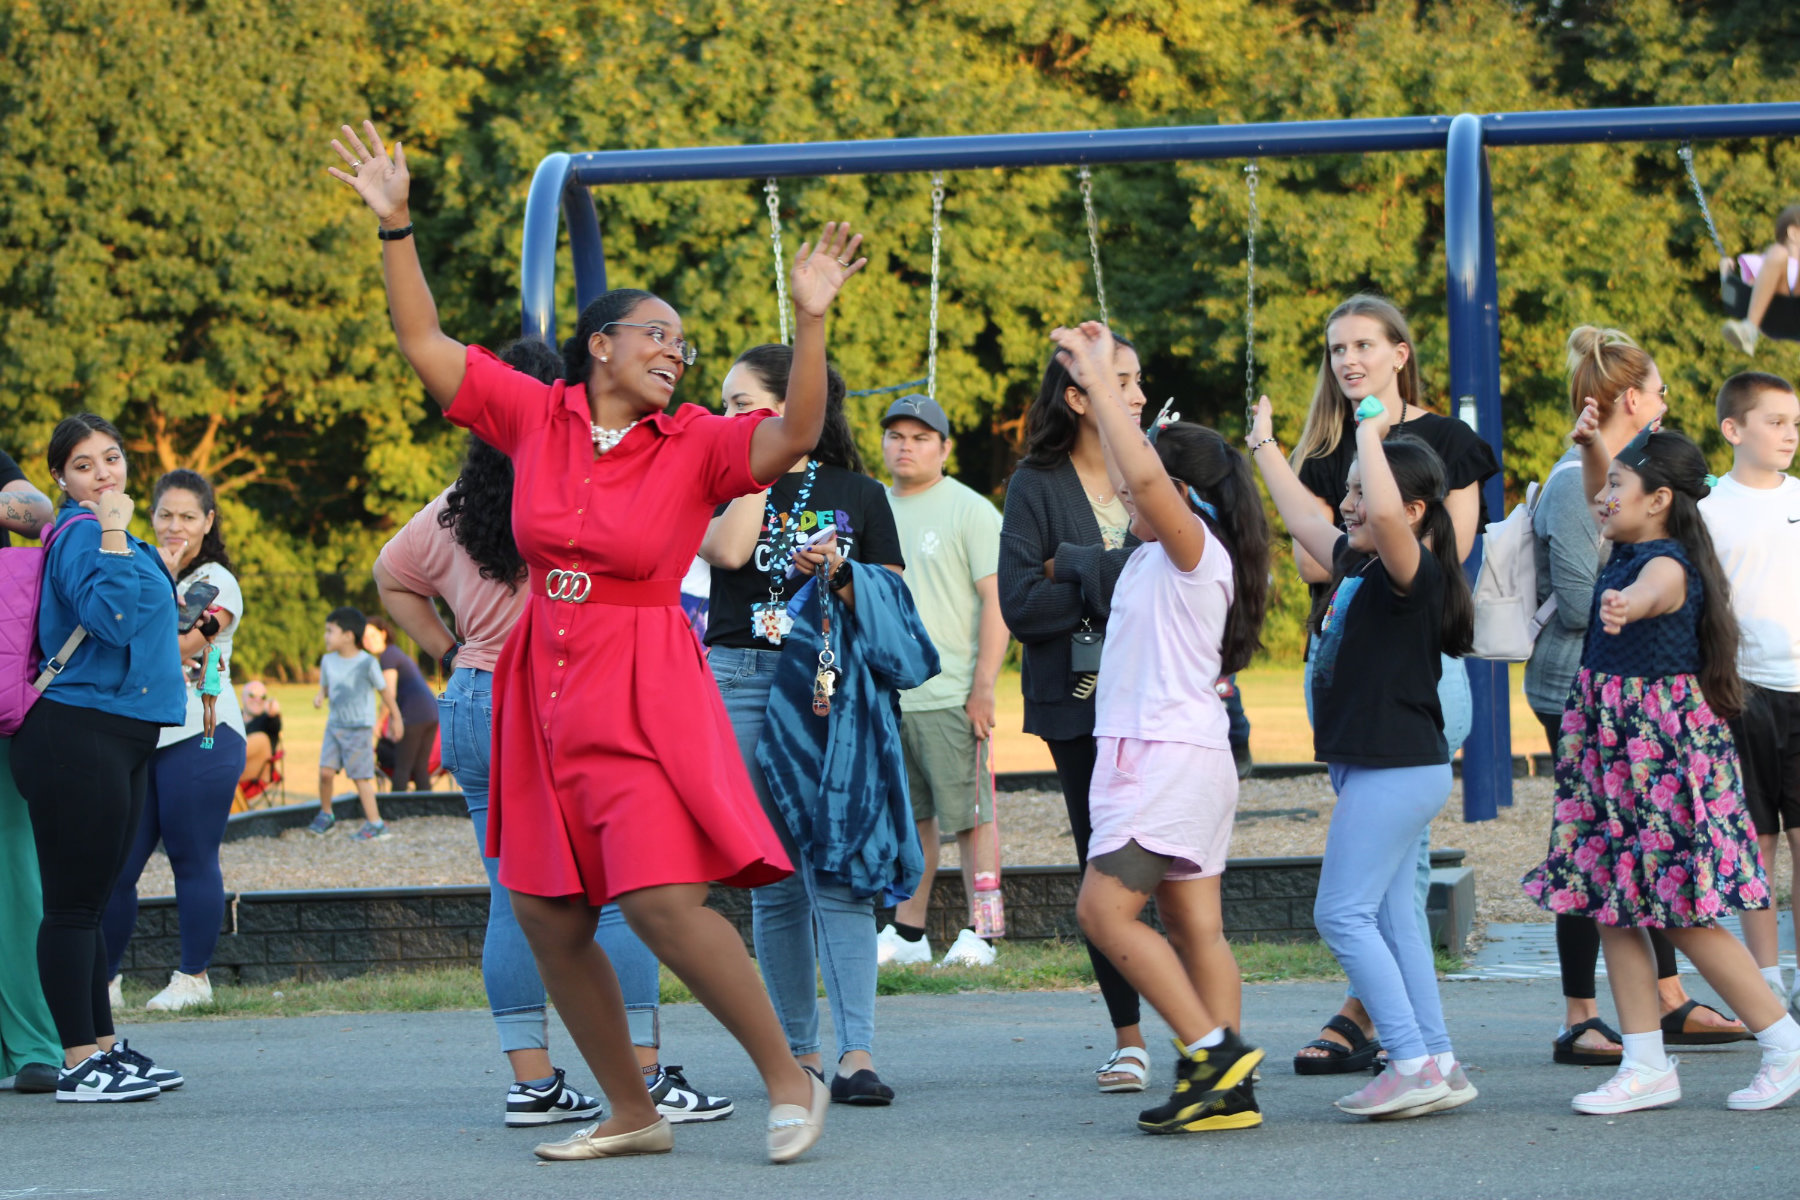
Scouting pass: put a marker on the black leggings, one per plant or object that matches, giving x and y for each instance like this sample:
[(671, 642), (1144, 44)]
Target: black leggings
[(84, 774), (1074, 758), (412, 756), (1578, 938)]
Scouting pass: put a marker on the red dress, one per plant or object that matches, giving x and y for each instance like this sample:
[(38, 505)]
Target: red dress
[(614, 765)]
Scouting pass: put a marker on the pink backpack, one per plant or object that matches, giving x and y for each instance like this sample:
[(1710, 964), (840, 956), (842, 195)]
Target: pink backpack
[(22, 581)]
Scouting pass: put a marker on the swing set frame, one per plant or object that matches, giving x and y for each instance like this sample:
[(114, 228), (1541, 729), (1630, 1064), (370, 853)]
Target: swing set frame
[(562, 185)]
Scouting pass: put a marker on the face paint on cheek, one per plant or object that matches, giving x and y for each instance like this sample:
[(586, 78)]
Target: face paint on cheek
[(1611, 507)]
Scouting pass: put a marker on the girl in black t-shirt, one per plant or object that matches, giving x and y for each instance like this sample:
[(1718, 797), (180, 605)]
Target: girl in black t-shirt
[(1398, 601), (749, 545)]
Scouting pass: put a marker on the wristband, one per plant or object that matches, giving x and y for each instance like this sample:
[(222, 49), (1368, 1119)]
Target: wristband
[(840, 578), (1268, 441), (394, 235), (448, 660), (120, 529), (1370, 407)]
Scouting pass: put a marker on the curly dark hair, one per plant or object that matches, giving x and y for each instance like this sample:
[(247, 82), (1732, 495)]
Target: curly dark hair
[(478, 507), (212, 545), (837, 447)]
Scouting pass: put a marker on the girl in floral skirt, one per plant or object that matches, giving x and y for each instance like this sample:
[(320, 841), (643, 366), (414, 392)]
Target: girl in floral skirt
[(1650, 829)]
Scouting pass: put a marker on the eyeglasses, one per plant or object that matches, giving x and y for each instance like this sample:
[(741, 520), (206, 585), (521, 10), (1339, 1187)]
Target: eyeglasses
[(688, 351)]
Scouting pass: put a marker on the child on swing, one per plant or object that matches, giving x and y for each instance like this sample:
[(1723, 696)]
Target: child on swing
[(1777, 275), (1187, 610)]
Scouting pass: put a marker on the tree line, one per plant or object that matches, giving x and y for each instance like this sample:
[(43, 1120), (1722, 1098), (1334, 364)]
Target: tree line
[(173, 255)]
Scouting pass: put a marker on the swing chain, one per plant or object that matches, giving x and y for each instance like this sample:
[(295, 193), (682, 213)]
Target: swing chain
[(773, 191), (1093, 232), (1250, 180), (1687, 160), (937, 241)]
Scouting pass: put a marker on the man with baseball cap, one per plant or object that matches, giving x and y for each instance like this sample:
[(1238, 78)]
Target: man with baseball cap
[(951, 538)]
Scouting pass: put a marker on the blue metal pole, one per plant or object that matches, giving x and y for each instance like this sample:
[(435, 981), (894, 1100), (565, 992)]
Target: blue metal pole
[(537, 254), (1474, 374), (585, 246)]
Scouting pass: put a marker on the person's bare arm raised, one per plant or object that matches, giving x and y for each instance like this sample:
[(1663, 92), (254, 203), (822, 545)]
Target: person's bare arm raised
[(819, 272), (384, 184)]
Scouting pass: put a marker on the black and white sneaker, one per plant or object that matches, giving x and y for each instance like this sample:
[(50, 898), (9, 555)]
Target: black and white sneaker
[(678, 1100), (526, 1105), (139, 1064), (101, 1077)]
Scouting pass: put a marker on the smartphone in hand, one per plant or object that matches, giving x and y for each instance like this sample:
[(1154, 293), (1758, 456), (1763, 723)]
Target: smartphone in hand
[(817, 539), (194, 605)]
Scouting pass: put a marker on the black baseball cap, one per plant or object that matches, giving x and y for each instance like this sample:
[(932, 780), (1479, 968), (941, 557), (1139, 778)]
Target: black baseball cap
[(919, 408)]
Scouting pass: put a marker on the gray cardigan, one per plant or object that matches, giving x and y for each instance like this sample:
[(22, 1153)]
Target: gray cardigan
[(1048, 517), (1568, 550)]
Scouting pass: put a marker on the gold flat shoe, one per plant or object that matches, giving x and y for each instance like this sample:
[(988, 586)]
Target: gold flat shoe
[(793, 1129), (651, 1139)]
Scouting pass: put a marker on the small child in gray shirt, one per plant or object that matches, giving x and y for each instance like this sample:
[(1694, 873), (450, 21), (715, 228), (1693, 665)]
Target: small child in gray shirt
[(351, 678)]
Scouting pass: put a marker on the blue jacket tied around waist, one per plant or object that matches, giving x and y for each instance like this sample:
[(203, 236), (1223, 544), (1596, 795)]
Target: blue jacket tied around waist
[(839, 780)]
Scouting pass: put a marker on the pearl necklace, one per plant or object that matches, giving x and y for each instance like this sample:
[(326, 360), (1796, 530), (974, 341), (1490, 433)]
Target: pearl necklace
[(606, 439)]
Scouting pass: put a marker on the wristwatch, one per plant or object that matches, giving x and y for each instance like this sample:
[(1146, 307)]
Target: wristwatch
[(448, 661), (840, 578)]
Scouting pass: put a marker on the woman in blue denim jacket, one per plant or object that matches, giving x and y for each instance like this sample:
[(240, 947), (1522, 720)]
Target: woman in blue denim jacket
[(82, 757)]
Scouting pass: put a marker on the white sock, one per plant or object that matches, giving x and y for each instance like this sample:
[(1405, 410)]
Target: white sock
[(1212, 1039), (1783, 1037), (1775, 981), (1409, 1066), (1646, 1050), (1446, 1062)]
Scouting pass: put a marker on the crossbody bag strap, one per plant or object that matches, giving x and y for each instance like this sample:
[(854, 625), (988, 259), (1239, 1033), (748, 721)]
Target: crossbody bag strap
[(55, 666)]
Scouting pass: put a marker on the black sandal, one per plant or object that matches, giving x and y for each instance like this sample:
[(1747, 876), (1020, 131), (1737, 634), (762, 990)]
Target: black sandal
[(1339, 1059), (1565, 1050), (1676, 1033)]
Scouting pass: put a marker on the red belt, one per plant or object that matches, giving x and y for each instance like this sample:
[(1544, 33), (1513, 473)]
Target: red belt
[(578, 587)]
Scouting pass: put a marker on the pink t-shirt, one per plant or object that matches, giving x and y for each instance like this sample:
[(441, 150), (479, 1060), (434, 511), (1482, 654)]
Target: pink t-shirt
[(1164, 638), (425, 558)]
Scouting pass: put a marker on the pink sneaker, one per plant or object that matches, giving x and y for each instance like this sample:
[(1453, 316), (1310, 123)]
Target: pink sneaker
[(1391, 1092), (1461, 1092), (1634, 1086), (1776, 1081)]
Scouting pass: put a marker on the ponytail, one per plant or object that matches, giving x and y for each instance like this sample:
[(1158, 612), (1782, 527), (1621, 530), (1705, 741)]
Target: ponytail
[(1438, 532)]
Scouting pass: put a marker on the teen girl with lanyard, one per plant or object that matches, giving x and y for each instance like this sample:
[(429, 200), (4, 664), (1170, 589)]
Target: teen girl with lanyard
[(750, 545), (1650, 827), (1369, 352), (1399, 603), (1063, 541), (615, 777)]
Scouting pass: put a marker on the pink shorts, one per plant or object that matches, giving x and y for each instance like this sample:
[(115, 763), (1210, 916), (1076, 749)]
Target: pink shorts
[(1171, 798)]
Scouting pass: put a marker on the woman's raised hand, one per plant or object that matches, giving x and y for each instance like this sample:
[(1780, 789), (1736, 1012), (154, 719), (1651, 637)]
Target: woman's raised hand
[(381, 181), (1587, 425), (113, 508), (820, 270), (1262, 423), (1086, 351)]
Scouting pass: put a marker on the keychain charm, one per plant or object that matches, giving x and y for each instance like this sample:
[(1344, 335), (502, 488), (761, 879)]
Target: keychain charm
[(825, 682)]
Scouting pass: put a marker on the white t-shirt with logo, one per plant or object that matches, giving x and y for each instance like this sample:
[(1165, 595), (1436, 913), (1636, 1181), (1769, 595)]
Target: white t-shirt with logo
[(1757, 534), (226, 711)]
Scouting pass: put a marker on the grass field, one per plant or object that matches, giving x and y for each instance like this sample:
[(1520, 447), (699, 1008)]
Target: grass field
[(1272, 699)]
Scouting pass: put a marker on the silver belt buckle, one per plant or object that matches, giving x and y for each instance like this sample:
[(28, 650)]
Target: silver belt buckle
[(571, 587)]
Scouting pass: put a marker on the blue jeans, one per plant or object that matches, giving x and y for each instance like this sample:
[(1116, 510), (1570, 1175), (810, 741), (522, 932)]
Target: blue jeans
[(804, 925), (515, 990), (1366, 908), (1458, 705)]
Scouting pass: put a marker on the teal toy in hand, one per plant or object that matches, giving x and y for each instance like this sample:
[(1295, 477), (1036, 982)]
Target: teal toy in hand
[(210, 687), (1370, 407)]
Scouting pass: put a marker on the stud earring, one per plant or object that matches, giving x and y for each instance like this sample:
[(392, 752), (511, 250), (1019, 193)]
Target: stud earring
[(603, 358)]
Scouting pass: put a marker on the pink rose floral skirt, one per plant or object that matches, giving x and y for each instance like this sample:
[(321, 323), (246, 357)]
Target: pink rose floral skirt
[(1649, 827)]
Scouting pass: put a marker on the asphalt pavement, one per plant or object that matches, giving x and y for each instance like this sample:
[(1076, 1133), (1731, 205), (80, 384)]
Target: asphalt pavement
[(995, 1099)]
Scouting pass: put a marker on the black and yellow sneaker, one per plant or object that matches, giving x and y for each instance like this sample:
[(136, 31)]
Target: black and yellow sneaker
[(1212, 1090)]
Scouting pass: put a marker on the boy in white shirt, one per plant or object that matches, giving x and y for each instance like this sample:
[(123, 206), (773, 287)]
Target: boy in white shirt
[(1753, 515)]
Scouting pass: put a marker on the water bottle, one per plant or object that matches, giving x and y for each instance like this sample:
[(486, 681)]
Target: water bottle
[(989, 907)]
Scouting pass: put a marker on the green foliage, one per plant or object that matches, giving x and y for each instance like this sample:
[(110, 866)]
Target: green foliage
[(172, 254)]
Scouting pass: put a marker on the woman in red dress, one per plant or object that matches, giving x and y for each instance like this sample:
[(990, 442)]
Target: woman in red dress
[(616, 776)]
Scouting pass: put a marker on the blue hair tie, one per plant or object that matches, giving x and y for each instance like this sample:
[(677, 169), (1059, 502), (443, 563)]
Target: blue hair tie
[(1712, 481), (1202, 505)]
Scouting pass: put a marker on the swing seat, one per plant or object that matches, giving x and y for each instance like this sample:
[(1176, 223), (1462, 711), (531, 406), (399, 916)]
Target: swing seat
[(1782, 320)]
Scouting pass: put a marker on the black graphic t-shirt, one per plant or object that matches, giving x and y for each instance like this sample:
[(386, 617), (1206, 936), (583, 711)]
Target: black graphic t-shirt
[(9, 475), (856, 504)]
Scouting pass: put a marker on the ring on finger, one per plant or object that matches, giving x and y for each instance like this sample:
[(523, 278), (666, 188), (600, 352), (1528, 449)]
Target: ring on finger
[(355, 163), (840, 262)]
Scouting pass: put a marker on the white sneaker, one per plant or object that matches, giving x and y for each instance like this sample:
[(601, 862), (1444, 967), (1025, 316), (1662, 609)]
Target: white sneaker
[(1742, 334), (1633, 1087), (890, 947), (1776, 1082), (184, 991), (115, 992), (969, 951)]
